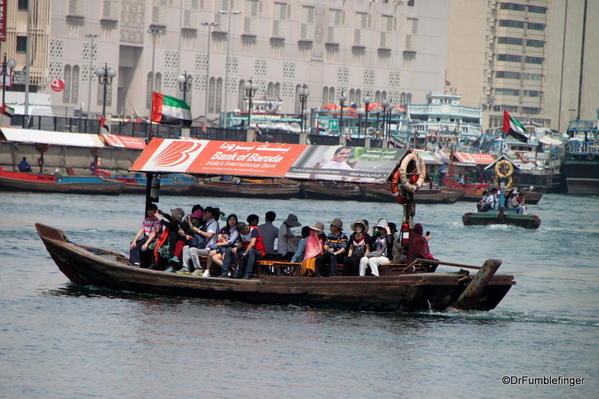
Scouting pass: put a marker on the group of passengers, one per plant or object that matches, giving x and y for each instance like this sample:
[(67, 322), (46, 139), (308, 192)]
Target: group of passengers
[(513, 199), (195, 244)]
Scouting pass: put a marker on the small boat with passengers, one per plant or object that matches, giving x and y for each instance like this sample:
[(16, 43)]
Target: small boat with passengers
[(405, 287)]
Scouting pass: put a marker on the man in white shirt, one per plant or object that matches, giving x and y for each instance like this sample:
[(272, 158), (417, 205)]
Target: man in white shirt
[(269, 232)]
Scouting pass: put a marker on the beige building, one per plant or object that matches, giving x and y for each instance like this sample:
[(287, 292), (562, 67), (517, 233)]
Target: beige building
[(524, 56), (393, 49)]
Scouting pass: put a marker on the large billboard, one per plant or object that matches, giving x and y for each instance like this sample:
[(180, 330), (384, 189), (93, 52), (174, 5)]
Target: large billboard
[(293, 161)]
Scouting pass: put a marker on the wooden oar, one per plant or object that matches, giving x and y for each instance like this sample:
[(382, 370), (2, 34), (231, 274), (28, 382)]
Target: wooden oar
[(438, 262)]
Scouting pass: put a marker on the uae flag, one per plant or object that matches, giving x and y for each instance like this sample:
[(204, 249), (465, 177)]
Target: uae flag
[(170, 110), (512, 127)]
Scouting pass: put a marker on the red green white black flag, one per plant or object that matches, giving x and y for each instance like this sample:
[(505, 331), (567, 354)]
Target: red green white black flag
[(170, 110)]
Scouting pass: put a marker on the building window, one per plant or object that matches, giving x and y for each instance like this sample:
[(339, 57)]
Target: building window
[(507, 92), (508, 75), (534, 60), (411, 3), (510, 40), (535, 43), (532, 93), (513, 6), (219, 96), (511, 24), (21, 44), (536, 26), (211, 89), (23, 4), (509, 57), (325, 95), (241, 94), (66, 93), (537, 9), (75, 85), (149, 90)]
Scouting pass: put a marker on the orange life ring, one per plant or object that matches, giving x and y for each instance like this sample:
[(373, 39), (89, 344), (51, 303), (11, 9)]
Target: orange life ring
[(412, 181)]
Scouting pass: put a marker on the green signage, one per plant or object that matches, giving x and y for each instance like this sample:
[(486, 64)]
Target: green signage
[(329, 124)]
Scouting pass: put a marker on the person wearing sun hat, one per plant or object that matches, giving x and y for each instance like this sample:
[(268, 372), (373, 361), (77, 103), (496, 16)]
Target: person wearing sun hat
[(358, 245), (287, 240), (381, 247), (314, 250), (334, 249)]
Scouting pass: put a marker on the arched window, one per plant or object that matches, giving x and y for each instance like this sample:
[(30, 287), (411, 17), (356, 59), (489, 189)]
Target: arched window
[(270, 91), (211, 89), (149, 90), (409, 98), (188, 94), (219, 95), (332, 99), (158, 82), (241, 95), (358, 97), (297, 99), (402, 98), (66, 93), (383, 95), (325, 95), (277, 91), (352, 96), (377, 96), (75, 85)]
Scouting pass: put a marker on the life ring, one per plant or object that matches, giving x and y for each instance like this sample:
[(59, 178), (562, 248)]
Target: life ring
[(501, 165), (411, 180)]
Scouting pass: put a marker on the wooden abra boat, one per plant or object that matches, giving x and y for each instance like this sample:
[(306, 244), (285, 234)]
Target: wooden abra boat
[(406, 289), (21, 181), (249, 188), (498, 217), (381, 193), (331, 190)]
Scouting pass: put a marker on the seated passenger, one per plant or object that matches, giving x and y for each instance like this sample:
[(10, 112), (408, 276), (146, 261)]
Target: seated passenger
[(227, 239), (334, 249), (382, 245), (298, 256), (24, 165), (166, 243), (521, 207), (486, 203), (253, 220), (269, 232), (358, 245), (287, 240), (140, 253), (250, 250), (419, 246), (206, 236), (314, 250)]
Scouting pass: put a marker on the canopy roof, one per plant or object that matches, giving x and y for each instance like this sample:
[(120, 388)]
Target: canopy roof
[(429, 158), (293, 161), (52, 138), (123, 141), (475, 158)]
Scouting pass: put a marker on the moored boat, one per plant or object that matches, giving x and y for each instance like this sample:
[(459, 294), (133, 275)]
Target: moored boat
[(405, 290), (331, 190), (381, 193), (247, 188), (497, 217), (169, 185), (22, 181)]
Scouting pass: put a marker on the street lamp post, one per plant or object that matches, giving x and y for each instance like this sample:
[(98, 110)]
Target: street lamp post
[(105, 75), (303, 92), (342, 100), (184, 84), (228, 13), (250, 91), (360, 112), (366, 109), (6, 66), (385, 104), (209, 25)]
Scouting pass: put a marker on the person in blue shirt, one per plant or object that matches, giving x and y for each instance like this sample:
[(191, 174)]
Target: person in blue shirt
[(298, 256), (334, 249), (24, 165)]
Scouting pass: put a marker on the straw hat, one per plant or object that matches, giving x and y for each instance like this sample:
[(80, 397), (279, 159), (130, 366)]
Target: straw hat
[(337, 223), (359, 221), (318, 226)]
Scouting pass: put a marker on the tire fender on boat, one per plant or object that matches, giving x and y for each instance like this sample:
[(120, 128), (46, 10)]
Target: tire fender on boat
[(411, 181)]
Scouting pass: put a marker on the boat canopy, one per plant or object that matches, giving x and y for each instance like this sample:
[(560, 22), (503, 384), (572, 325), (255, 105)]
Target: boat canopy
[(19, 135), (292, 161), (474, 158), (114, 140), (429, 158)]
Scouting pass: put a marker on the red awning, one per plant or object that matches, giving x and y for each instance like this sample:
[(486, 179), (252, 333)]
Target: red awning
[(114, 140), (476, 158)]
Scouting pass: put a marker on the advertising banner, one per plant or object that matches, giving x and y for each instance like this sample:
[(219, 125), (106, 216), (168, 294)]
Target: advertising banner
[(342, 163), (3, 20), (114, 140), (294, 161)]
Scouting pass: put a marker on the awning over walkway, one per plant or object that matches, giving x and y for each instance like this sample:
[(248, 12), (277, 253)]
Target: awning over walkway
[(475, 158), (52, 138), (294, 161)]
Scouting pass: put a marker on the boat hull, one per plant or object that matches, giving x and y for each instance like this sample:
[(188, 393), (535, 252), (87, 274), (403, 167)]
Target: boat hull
[(582, 174), (381, 193), (246, 190), (331, 191), (488, 218), (97, 267), (15, 181)]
